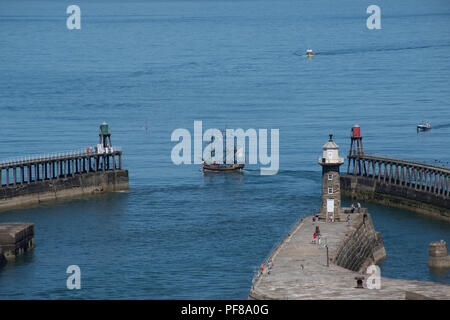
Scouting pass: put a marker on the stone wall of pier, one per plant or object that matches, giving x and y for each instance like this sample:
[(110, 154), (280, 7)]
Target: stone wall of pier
[(361, 247), (15, 239), (395, 195), (32, 180), (411, 185), (64, 187)]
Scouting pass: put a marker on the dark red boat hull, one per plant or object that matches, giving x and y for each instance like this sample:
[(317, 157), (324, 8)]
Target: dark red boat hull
[(216, 167)]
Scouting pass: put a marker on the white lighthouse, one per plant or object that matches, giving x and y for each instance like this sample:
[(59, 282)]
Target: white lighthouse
[(331, 188)]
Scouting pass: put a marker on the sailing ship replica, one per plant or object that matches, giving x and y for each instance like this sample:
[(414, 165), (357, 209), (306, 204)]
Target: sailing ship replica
[(236, 158)]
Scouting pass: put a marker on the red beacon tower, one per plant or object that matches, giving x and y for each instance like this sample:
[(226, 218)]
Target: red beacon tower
[(356, 146)]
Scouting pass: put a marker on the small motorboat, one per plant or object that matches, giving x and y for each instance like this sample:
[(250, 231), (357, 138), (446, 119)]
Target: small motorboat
[(310, 53), (424, 126)]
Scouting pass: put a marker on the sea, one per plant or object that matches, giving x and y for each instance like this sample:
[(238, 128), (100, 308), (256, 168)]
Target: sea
[(148, 68)]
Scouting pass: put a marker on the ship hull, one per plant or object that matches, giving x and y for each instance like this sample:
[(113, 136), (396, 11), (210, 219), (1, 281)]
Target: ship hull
[(423, 128), (223, 167)]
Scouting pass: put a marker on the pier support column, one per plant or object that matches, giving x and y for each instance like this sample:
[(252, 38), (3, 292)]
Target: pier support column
[(432, 181), (416, 176), (438, 183), (422, 179), (419, 187), (411, 176), (14, 175), (391, 172), (379, 171), (446, 186), (403, 179), (373, 168), (408, 175)]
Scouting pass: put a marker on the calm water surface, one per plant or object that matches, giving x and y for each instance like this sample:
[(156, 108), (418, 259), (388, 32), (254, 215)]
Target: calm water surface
[(178, 234)]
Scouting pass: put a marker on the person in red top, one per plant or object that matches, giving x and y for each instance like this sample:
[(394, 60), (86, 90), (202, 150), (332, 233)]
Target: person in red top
[(314, 237)]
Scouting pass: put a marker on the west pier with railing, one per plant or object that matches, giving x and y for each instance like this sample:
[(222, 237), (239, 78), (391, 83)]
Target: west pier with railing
[(411, 185), (33, 169), (32, 179)]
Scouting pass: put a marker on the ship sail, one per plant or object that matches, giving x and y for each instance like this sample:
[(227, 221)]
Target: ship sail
[(240, 157), (225, 158)]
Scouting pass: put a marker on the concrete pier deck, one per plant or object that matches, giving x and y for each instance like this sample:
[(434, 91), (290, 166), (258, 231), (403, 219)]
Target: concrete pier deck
[(15, 239), (300, 271)]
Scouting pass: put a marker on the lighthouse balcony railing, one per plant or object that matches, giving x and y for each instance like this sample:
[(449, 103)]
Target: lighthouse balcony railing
[(323, 160)]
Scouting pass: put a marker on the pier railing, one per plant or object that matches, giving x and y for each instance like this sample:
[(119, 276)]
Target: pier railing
[(419, 176), (50, 156), (29, 169)]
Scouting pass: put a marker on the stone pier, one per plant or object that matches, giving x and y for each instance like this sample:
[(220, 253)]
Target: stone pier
[(31, 180), (15, 239), (438, 255), (299, 268)]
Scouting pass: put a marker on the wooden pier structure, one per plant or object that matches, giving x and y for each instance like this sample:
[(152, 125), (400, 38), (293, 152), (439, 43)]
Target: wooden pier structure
[(406, 184), (57, 166), (417, 176), (33, 179)]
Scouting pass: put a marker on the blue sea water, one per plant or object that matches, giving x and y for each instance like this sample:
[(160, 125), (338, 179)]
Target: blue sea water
[(238, 64)]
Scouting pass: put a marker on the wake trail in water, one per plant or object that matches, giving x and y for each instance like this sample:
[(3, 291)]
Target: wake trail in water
[(446, 125), (368, 50)]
